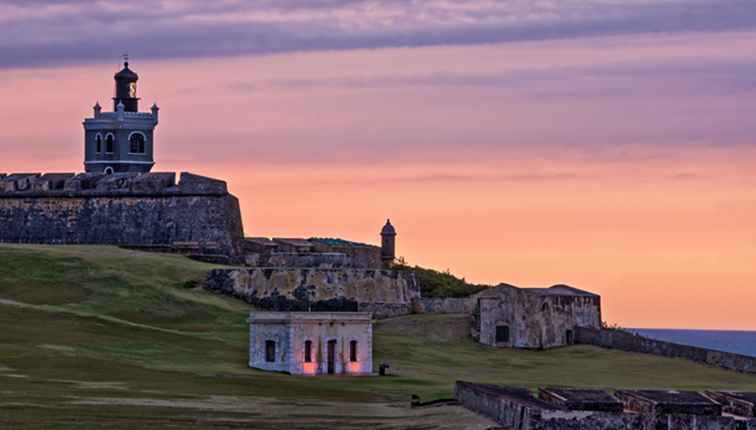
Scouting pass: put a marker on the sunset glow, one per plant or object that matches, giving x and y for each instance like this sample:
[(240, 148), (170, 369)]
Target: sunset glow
[(621, 163)]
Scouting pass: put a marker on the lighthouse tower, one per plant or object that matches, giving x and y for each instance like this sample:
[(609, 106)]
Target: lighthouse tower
[(122, 140)]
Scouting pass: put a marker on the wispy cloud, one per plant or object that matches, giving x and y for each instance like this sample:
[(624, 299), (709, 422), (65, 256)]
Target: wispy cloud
[(40, 32)]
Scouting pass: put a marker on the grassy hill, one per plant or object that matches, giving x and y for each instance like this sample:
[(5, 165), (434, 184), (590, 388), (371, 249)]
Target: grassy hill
[(90, 335)]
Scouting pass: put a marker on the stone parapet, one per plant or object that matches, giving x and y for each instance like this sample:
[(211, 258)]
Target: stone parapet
[(62, 185)]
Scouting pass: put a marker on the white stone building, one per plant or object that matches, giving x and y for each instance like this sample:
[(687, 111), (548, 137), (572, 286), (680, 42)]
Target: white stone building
[(311, 343)]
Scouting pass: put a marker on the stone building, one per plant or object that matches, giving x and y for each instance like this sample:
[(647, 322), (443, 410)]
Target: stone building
[(507, 316), (122, 140), (311, 343)]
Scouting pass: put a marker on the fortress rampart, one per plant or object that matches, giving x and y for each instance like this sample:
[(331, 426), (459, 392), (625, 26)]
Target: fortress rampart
[(385, 293), (626, 341), (127, 209)]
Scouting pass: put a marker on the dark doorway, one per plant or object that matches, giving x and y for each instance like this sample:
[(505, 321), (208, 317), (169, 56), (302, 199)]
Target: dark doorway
[(502, 334), (331, 357), (569, 337)]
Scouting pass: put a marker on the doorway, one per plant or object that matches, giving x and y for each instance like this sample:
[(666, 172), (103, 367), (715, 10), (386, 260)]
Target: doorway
[(569, 337), (331, 357)]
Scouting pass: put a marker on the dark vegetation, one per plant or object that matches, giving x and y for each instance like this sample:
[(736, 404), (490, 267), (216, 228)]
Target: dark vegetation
[(440, 284)]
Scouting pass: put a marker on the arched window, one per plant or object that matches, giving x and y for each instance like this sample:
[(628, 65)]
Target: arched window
[(353, 351), (108, 170), (109, 143), (98, 143), (270, 351), (308, 351), (136, 143)]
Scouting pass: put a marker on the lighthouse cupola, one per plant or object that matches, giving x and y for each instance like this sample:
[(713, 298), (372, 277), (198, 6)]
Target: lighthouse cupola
[(126, 89)]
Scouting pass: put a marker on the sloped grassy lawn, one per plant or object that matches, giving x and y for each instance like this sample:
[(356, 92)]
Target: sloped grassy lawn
[(100, 334)]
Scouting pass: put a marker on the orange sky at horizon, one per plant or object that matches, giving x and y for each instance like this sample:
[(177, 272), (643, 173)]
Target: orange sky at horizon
[(574, 164)]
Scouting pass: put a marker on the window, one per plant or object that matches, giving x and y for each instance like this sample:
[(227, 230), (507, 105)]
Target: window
[(353, 351), (270, 351), (308, 351), (136, 143), (108, 170), (98, 143), (502, 333), (109, 143)]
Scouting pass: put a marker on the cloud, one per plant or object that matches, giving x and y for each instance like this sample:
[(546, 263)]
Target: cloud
[(43, 33)]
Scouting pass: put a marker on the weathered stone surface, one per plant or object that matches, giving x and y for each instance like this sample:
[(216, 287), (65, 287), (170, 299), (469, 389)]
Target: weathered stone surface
[(517, 409), (626, 341), (196, 184), (121, 209), (321, 260), (385, 310), (452, 305), (535, 318), (318, 289), (581, 399)]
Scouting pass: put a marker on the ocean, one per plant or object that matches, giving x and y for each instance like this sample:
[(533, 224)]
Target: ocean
[(741, 342)]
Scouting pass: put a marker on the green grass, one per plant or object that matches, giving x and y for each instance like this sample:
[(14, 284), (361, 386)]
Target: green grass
[(95, 335)]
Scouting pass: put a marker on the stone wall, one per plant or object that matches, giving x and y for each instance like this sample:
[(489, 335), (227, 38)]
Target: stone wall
[(384, 292), (464, 305), (363, 257), (625, 341), (385, 310), (517, 409), (120, 209)]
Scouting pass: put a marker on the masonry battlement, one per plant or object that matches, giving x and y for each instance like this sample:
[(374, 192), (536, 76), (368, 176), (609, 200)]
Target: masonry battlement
[(157, 184)]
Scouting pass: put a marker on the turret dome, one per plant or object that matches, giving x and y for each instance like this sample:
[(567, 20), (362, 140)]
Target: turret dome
[(126, 74), (388, 229)]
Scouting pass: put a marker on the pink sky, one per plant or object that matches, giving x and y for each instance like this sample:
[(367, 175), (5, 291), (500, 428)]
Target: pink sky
[(620, 165)]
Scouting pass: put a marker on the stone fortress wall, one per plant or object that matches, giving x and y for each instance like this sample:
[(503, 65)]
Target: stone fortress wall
[(128, 209), (626, 341), (585, 409), (385, 293)]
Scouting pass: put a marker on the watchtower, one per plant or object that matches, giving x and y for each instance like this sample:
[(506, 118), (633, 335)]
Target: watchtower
[(122, 140), (388, 242)]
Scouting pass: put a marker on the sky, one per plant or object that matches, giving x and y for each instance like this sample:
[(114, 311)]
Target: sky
[(605, 144)]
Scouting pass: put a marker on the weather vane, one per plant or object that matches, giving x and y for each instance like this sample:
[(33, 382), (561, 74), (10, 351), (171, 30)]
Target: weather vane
[(125, 58)]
